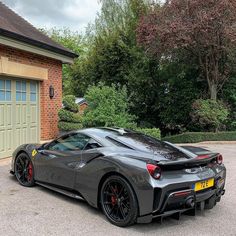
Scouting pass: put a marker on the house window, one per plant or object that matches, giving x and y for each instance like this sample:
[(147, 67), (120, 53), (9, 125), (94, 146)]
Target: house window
[(33, 91), (20, 91), (5, 90)]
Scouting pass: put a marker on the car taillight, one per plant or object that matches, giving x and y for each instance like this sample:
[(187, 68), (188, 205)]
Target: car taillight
[(201, 157), (219, 159), (154, 171)]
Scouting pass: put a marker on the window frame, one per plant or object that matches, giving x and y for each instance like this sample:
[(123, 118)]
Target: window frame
[(5, 90), (94, 140), (53, 143), (21, 91), (33, 92)]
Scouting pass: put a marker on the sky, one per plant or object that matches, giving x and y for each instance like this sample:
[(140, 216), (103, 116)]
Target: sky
[(74, 14)]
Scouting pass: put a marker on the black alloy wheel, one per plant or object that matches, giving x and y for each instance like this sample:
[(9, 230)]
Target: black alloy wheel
[(24, 170), (118, 201)]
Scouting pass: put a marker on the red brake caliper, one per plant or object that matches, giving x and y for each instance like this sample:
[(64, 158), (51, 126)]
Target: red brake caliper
[(114, 198), (30, 172)]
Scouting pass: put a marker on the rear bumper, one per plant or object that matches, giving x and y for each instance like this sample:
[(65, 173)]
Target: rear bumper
[(175, 199), (199, 201)]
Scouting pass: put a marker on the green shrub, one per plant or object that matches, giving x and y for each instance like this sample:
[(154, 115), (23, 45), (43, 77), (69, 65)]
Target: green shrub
[(69, 103), (68, 126), (108, 106), (155, 133), (196, 137), (209, 114), (69, 116)]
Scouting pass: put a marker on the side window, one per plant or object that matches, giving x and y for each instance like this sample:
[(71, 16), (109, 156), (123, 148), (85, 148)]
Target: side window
[(20, 91), (33, 91), (117, 143), (5, 90), (92, 144), (71, 142)]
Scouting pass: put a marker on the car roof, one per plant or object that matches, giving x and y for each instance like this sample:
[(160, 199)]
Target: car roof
[(103, 132)]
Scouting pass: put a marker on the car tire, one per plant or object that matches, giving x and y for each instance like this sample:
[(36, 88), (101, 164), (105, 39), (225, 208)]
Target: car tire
[(24, 170), (118, 201)]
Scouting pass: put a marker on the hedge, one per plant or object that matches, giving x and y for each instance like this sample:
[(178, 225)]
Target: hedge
[(67, 126), (69, 103), (156, 133), (69, 116), (196, 137)]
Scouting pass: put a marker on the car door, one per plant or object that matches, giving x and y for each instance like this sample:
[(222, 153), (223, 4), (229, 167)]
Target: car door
[(56, 163), (84, 173)]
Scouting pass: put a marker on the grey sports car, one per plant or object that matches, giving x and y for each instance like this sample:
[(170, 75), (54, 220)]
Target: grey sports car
[(132, 177)]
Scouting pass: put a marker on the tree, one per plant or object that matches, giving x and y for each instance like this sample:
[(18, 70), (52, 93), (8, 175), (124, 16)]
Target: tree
[(73, 41), (205, 29), (70, 119), (107, 106), (209, 114), (113, 57), (177, 91), (228, 94)]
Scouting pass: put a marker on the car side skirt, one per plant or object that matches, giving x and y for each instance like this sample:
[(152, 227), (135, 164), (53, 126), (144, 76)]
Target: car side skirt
[(69, 193)]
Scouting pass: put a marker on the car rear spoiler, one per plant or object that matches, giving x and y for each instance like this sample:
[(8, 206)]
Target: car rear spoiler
[(198, 160)]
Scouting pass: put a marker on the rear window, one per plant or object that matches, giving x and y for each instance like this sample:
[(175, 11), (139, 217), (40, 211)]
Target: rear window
[(145, 143), (117, 143)]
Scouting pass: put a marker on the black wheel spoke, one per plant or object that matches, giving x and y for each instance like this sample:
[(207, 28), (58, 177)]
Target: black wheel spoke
[(108, 194), (112, 210), (117, 213), (108, 203), (122, 189), (125, 206), (27, 162), (122, 212), (21, 163), (18, 164), (21, 176), (112, 189)]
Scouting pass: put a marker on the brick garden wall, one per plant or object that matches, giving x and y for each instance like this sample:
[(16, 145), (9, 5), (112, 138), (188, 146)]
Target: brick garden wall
[(48, 107)]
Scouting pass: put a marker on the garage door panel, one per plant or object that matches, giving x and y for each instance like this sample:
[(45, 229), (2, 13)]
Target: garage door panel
[(33, 114), (2, 141), (9, 140), (24, 135), (8, 115), (24, 114), (33, 134), (19, 115), (2, 113), (18, 136)]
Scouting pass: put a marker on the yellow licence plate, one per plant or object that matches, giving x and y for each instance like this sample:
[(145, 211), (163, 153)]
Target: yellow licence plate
[(204, 184)]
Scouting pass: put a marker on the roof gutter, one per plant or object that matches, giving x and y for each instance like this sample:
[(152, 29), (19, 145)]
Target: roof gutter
[(36, 43)]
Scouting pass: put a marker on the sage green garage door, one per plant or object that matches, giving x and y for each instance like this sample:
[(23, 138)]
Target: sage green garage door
[(19, 114)]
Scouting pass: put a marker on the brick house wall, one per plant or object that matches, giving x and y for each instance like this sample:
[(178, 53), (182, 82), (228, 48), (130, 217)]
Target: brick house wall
[(48, 107), (82, 107)]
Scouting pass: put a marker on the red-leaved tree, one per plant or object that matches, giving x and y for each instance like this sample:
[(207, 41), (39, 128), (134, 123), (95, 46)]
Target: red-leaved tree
[(204, 28)]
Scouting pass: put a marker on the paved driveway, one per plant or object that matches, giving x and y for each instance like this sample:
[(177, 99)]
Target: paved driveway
[(37, 211)]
